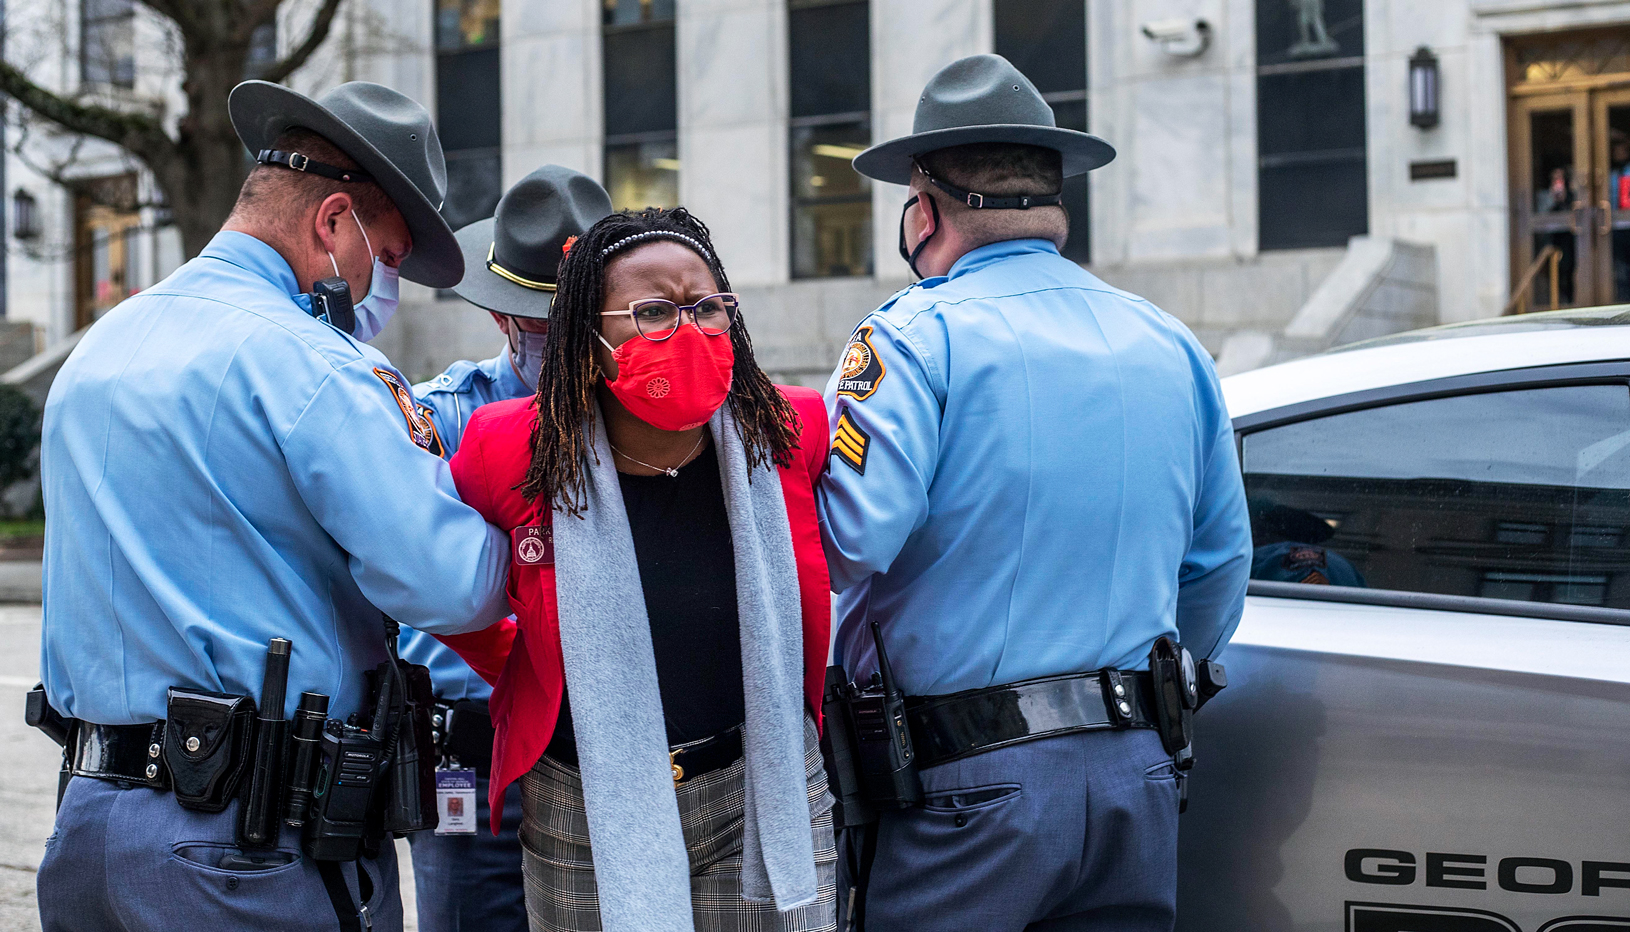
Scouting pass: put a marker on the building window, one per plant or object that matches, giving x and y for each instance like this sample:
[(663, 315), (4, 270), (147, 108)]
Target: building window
[(1312, 186), (641, 104), (1047, 41), (469, 107), (829, 53), (107, 42)]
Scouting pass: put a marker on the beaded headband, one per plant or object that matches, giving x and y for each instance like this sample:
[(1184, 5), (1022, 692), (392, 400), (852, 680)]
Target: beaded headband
[(656, 234)]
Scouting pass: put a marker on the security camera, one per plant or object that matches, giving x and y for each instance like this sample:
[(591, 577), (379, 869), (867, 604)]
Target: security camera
[(1183, 38)]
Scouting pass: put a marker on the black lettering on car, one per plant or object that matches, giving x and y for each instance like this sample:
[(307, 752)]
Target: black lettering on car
[(1456, 870), (1394, 868), (1561, 880), (1388, 917), (1594, 875)]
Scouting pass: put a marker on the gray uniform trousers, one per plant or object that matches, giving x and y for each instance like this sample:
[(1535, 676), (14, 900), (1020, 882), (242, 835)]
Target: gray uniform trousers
[(131, 860), (1077, 833)]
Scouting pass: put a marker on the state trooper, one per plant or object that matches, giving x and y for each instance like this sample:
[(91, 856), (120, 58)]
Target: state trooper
[(1032, 483), (473, 881), (226, 461)]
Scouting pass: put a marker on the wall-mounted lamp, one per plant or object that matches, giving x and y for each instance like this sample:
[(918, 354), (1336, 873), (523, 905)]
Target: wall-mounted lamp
[(1423, 88), (25, 215), (1182, 38)]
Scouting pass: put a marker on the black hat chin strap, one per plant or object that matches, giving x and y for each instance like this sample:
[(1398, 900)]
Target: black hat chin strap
[(911, 255), (990, 201)]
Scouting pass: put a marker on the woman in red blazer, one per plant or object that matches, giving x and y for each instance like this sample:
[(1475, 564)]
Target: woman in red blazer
[(658, 694)]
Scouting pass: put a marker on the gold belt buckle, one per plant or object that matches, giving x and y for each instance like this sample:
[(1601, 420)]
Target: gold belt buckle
[(673, 762)]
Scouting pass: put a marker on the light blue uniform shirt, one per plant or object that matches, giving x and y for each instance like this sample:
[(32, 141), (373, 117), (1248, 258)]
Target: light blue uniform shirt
[(219, 469), (1032, 473), (449, 399)]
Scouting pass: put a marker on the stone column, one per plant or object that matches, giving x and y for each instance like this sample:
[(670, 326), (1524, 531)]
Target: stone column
[(732, 63), (552, 87), (911, 41)]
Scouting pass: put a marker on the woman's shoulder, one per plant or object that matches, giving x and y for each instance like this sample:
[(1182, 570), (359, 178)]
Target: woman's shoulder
[(810, 407), (499, 438)]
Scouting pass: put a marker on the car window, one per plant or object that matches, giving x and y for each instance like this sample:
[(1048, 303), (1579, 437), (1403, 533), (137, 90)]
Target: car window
[(1521, 494)]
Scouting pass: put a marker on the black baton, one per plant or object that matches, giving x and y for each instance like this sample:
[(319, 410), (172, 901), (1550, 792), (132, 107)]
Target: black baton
[(260, 809)]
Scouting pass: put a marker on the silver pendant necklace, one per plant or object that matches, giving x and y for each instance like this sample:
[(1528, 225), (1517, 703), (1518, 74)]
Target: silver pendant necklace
[(671, 471)]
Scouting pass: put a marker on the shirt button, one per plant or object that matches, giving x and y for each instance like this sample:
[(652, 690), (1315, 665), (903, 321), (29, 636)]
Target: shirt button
[(961, 820)]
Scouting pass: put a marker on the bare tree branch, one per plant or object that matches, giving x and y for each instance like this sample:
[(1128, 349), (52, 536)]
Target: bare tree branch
[(141, 134), (320, 25)]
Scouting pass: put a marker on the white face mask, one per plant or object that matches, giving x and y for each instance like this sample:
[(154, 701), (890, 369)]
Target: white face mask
[(377, 308), (526, 353)]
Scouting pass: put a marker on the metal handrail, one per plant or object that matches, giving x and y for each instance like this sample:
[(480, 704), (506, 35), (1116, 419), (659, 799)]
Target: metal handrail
[(1522, 295)]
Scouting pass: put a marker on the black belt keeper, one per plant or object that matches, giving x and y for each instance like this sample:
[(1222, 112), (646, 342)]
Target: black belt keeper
[(957, 725)]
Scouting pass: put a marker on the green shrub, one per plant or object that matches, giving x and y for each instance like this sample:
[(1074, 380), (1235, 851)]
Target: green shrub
[(19, 436)]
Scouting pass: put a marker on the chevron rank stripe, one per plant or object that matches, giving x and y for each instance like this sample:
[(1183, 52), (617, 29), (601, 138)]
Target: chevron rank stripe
[(850, 443)]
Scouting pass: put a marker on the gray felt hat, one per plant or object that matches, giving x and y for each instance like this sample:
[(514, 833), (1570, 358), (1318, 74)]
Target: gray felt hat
[(511, 258), (389, 135), (981, 98)]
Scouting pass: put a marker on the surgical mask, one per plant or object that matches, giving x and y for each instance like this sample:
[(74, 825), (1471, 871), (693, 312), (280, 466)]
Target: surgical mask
[(526, 353), (377, 308), (675, 384)]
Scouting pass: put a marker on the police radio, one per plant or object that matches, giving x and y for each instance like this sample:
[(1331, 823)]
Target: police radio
[(887, 761), (350, 768), (331, 304)]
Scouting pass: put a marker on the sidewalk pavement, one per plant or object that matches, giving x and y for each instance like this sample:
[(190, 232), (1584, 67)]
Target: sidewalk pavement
[(29, 762)]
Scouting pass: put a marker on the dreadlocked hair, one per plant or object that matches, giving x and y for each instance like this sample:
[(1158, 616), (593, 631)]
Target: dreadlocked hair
[(569, 376)]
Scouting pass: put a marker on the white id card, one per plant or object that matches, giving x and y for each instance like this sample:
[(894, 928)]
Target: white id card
[(455, 802)]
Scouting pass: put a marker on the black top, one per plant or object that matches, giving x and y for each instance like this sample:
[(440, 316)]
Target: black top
[(687, 568)]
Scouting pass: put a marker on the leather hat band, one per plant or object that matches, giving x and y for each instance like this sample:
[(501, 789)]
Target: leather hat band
[(507, 275), (300, 163)]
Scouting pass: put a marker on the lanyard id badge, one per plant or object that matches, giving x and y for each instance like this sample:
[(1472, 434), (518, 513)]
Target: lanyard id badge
[(455, 801)]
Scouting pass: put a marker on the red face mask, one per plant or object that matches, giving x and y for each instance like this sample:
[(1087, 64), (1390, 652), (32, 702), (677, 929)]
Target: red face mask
[(676, 384)]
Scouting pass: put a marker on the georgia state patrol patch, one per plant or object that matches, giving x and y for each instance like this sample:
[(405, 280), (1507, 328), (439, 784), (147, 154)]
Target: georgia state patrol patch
[(850, 443), (436, 446), (420, 430), (862, 371)]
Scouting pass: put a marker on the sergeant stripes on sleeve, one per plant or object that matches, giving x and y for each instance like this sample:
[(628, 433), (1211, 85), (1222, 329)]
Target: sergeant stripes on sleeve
[(850, 443)]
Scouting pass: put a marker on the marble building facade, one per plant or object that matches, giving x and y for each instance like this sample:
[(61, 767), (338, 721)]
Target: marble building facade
[(1178, 216)]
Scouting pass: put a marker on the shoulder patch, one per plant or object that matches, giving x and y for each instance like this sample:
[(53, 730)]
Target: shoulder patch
[(850, 443), (862, 371), (420, 430), (436, 446)]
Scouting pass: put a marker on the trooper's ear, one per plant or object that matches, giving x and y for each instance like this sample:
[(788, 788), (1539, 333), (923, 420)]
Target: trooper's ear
[(333, 209), (928, 217)]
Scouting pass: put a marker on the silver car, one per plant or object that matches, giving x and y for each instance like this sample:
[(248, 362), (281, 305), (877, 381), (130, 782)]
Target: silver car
[(1427, 727)]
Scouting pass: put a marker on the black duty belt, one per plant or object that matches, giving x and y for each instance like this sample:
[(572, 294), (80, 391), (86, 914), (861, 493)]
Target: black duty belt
[(124, 753), (956, 725), (463, 729), (688, 761)]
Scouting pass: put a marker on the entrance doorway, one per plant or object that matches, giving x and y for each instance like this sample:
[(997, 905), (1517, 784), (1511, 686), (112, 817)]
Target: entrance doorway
[(105, 219), (1569, 127)]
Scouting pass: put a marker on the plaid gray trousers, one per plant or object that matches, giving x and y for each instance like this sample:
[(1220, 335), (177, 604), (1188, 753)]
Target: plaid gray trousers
[(559, 868)]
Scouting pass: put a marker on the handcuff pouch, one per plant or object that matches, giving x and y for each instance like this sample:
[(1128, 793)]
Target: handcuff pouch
[(208, 738)]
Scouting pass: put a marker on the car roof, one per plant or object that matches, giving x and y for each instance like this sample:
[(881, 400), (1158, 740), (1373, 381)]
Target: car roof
[(1552, 338)]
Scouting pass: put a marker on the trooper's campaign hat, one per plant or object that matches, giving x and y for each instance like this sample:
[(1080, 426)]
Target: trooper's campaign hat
[(389, 135), (510, 258), (981, 98)]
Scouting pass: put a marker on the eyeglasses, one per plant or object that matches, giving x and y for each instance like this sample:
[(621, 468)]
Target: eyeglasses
[(657, 320)]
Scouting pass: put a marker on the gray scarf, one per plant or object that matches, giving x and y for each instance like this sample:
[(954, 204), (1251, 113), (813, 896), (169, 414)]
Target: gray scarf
[(640, 863)]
